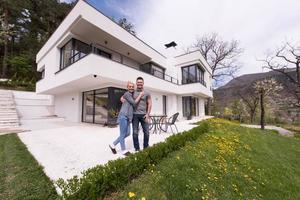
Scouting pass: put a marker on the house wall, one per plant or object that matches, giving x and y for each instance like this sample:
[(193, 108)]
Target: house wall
[(31, 105), (85, 11), (201, 107), (69, 106)]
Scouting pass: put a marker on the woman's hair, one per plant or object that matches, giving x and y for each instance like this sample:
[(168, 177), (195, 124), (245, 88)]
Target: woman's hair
[(129, 83)]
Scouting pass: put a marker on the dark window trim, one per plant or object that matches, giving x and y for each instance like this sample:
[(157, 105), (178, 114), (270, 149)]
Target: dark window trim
[(164, 104), (72, 40), (199, 79)]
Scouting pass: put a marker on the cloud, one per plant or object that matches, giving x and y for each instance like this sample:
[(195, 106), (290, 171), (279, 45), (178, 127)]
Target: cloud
[(258, 25)]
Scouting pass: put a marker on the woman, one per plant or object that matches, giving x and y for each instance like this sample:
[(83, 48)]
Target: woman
[(125, 117)]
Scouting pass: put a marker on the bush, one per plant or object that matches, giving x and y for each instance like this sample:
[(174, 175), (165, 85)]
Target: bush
[(102, 180)]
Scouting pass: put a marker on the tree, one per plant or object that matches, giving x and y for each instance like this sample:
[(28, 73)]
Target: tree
[(25, 24), (220, 55), (286, 60), (265, 88), (238, 108), (128, 26), (251, 100), (9, 10)]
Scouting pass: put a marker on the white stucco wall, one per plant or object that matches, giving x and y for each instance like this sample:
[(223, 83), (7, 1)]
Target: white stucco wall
[(69, 106), (201, 107), (31, 105)]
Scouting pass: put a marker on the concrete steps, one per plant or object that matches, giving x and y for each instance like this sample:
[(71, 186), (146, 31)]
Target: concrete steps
[(8, 113)]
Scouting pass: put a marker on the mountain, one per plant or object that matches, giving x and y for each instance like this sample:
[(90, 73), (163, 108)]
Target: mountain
[(226, 95)]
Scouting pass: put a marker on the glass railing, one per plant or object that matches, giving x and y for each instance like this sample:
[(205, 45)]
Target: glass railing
[(95, 50), (152, 72)]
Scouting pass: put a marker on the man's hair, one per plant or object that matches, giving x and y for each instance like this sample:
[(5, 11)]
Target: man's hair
[(139, 78)]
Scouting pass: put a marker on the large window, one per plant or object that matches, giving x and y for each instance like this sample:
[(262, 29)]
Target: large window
[(103, 53), (192, 74), (101, 106), (190, 106), (153, 69), (73, 51)]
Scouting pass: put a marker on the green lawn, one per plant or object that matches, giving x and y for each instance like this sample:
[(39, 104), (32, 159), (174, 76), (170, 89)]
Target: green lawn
[(229, 162), (294, 128), (21, 177)]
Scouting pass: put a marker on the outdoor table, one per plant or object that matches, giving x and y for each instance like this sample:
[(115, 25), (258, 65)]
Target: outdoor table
[(155, 121)]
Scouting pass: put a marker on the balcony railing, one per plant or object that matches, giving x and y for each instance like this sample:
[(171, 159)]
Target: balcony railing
[(153, 72), (95, 50)]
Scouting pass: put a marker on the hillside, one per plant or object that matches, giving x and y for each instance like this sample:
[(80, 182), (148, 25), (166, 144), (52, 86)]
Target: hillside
[(226, 95)]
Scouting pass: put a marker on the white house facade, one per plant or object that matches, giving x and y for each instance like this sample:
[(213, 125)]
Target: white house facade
[(88, 60)]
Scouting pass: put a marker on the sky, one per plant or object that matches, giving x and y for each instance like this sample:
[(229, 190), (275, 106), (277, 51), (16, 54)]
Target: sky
[(260, 26)]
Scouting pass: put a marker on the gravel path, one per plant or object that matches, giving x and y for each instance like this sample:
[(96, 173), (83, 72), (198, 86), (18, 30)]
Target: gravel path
[(280, 130)]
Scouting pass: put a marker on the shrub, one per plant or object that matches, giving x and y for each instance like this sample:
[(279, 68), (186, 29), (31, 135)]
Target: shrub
[(101, 180)]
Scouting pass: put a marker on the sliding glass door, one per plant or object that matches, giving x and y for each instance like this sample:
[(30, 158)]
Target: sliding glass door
[(190, 106), (101, 101), (88, 107), (101, 106)]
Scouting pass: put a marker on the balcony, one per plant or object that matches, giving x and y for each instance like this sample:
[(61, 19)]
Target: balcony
[(78, 50)]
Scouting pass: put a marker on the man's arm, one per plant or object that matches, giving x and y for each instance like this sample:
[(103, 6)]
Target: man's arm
[(149, 105)]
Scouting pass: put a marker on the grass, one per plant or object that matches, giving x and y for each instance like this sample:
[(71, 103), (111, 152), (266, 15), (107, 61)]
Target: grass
[(229, 162), (21, 177), (294, 128)]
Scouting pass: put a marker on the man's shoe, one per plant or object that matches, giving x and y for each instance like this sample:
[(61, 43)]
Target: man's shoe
[(127, 153), (113, 150)]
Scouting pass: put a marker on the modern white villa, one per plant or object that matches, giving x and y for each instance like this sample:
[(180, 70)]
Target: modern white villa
[(88, 60)]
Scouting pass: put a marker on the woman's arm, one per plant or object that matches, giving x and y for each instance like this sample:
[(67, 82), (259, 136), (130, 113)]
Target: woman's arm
[(128, 97)]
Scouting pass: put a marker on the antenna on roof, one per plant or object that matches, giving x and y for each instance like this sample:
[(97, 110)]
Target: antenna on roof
[(171, 44)]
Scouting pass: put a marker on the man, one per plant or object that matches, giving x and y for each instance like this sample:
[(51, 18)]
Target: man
[(141, 114)]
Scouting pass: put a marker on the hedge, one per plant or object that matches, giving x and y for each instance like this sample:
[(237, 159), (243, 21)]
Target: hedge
[(102, 180)]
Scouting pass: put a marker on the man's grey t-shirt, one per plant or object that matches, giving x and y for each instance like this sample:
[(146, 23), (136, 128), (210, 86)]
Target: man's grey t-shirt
[(141, 107)]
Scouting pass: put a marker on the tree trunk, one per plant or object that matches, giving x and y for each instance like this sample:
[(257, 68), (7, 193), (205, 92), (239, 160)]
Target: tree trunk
[(262, 111), (5, 53), (252, 116)]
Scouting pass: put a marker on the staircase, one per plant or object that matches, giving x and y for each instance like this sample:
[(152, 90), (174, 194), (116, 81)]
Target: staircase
[(8, 113)]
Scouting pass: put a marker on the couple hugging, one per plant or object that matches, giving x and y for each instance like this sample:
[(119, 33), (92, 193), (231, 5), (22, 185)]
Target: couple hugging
[(136, 108)]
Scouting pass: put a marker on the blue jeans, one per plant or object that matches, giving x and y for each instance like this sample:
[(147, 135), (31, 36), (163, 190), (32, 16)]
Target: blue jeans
[(139, 118), (124, 125)]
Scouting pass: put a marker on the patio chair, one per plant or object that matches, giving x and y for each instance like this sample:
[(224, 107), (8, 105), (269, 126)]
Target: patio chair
[(169, 122)]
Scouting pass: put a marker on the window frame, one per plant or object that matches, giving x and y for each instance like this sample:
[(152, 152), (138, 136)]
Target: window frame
[(198, 71), (73, 42)]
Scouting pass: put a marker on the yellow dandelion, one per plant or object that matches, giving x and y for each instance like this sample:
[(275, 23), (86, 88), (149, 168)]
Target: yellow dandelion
[(131, 194), (143, 198)]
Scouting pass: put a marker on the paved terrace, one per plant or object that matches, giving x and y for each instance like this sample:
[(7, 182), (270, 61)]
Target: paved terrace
[(66, 149)]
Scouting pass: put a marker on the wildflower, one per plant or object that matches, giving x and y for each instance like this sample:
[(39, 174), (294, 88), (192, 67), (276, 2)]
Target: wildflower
[(177, 157), (143, 198), (131, 194)]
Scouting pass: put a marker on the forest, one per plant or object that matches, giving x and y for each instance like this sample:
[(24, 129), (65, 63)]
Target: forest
[(25, 27)]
